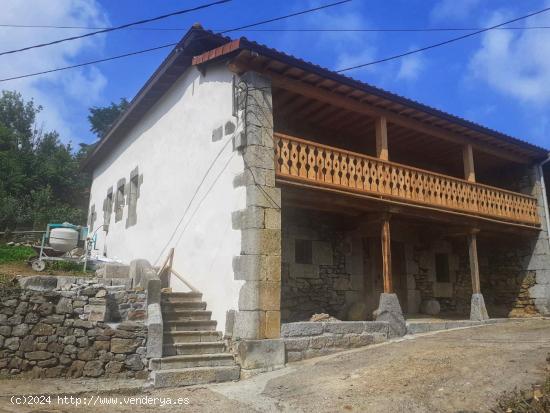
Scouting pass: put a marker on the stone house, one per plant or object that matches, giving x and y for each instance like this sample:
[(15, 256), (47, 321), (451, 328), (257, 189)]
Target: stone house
[(287, 189)]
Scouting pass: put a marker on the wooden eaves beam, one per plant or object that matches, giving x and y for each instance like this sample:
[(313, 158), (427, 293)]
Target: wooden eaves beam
[(300, 87)]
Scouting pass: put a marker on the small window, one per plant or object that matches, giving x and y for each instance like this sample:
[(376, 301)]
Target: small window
[(442, 268), (107, 210), (303, 251), (119, 205), (133, 194), (92, 218)]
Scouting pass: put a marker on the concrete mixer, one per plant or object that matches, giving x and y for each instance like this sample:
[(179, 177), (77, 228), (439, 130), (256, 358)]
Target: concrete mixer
[(58, 243)]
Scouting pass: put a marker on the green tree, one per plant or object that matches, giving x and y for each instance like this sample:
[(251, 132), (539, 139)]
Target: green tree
[(40, 180), (101, 118), (40, 177)]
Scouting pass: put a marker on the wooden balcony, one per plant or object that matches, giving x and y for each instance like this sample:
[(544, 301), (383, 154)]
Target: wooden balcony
[(314, 164)]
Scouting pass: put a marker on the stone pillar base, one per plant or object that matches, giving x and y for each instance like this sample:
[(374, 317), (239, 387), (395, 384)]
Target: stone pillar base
[(258, 356), (389, 310), (478, 312)]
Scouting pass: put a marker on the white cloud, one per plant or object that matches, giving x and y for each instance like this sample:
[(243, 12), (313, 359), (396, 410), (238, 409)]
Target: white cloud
[(410, 67), (59, 93), (351, 58), (513, 63), (345, 48), (454, 10)]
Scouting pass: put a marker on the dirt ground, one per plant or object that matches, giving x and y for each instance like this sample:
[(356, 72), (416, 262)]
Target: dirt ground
[(451, 371), (12, 269)]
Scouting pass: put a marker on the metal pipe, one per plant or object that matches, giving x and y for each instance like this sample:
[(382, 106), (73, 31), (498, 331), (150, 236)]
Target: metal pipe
[(545, 196)]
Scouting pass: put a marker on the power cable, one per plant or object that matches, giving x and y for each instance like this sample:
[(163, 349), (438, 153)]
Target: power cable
[(195, 193), (111, 29), (442, 43), (326, 6), (216, 179), (89, 63), (137, 52), (382, 30)]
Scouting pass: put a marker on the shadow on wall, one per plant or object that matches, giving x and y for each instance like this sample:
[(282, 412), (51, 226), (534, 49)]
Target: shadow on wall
[(505, 279), (316, 273)]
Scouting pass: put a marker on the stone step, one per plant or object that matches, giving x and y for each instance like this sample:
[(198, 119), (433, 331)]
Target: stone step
[(192, 325), (181, 349), (175, 337), (184, 305), (186, 315), (192, 360), (181, 297), (197, 375)]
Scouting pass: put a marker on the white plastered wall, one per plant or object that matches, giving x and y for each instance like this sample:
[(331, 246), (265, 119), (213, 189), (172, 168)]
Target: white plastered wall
[(172, 148)]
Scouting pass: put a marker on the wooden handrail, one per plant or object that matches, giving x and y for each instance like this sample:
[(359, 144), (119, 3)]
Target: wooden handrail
[(167, 269), (304, 161)]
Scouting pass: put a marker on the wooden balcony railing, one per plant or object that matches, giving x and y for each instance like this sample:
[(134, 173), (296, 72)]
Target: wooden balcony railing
[(320, 165)]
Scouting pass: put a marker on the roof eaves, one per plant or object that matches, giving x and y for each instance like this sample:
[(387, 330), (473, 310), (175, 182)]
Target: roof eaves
[(246, 44)]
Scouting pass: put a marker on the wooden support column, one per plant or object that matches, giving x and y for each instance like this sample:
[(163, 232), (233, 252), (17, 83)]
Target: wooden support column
[(381, 138), (468, 160), (474, 264), (386, 254)]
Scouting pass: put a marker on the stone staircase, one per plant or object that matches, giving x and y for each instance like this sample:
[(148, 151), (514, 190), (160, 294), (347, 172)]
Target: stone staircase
[(193, 351)]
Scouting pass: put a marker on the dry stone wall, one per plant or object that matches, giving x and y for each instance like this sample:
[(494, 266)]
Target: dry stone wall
[(64, 331)]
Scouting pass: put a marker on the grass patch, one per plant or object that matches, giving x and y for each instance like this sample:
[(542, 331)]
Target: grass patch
[(15, 254), (65, 266)]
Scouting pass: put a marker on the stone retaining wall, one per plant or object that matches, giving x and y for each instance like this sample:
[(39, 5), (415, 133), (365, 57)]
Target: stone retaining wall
[(62, 331), (304, 340)]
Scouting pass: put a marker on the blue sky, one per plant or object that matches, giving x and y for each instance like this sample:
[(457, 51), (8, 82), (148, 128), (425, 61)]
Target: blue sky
[(500, 79)]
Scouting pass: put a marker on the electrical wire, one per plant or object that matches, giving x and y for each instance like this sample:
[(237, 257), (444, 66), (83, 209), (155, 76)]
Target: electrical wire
[(195, 193), (247, 26), (89, 63), (216, 179), (433, 46), (137, 52), (111, 29), (381, 30)]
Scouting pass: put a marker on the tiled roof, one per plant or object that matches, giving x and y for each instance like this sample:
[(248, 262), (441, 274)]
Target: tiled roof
[(204, 46)]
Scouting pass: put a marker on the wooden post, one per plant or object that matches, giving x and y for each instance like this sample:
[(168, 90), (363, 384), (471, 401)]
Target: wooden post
[(468, 160), (474, 264), (170, 260), (386, 255), (381, 138)]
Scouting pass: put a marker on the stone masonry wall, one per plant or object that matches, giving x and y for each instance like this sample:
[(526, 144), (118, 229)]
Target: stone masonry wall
[(505, 280), (538, 259), (454, 295), (63, 333), (313, 339), (259, 263), (324, 286)]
